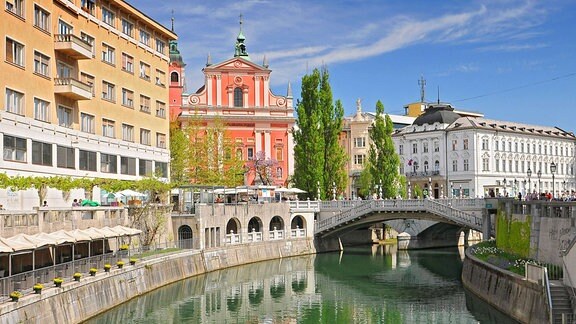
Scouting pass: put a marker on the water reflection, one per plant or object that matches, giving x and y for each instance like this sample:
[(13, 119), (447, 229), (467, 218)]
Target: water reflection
[(376, 284)]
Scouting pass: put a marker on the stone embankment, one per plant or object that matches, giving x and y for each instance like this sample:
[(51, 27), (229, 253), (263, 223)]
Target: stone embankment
[(508, 292), (75, 302)]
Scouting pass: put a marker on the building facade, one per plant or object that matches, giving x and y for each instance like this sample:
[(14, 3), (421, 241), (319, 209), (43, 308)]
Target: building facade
[(237, 92), (451, 155), (84, 87)]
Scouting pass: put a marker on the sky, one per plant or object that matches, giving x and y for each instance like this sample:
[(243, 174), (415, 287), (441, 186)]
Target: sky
[(512, 60)]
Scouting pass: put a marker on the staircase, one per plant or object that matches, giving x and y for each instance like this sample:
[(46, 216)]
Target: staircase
[(560, 303)]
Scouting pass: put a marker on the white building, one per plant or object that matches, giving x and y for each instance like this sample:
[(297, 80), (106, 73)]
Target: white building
[(477, 157)]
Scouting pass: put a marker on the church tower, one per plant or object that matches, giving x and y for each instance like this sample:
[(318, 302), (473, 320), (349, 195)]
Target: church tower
[(177, 83)]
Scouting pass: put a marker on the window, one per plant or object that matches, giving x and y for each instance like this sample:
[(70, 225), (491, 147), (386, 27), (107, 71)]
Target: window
[(238, 100), (160, 78), (497, 164), (41, 110), (250, 153), (144, 38), (436, 146), (127, 63), (127, 28), (41, 153), (145, 167), (239, 153), (162, 169), (87, 123), (14, 148), (88, 6), (16, 7), (64, 28), (108, 163), (484, 144), (89, 80), (425, 166), (425, 147), (108, 17), (400, 149), (174, 78), (127, 165), (127, 98), (279, 173), (64, 116), (41, 64), (495, 145), (465, 144), (144, 136), (436, 165), (160, 109), (127, 133), (454, 144), (510, 166), (145, 71), (160, 140), (14, 52), (279, 154), (145, 104), (414, 148), (360, 142), (89, 40), (160, 46), (454, 165), (14, 102), (515, 147), (466, 164), (41, 18), (359, 159), (108, 127), (516, 163), (509, 146), (64, 70), (108, 91), (87, 160), (108, 55), (65, 157), (522, 147)]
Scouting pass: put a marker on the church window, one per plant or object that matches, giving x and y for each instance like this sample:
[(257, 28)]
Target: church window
[(238, 102), (174, 77)]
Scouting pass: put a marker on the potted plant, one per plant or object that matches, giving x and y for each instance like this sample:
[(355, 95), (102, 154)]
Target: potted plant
[(38, 288), (107, 267), (77, 276), (133, 261), (15, 295), (120, 264), (58, 282), (123, 247), (93, 271)]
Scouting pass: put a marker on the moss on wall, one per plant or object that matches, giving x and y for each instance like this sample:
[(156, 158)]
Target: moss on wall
[(513, 234)]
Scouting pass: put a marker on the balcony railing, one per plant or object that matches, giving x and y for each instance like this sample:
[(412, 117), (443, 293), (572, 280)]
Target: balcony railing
[(72, 88), (422, 173), (73, 46)]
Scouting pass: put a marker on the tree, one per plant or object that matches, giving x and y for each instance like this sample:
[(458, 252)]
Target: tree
[(263, 167), (319, 159), (179, 154), (382, 157)]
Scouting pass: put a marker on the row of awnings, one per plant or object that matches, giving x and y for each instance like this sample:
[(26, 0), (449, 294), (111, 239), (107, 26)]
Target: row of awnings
[(22, 242)]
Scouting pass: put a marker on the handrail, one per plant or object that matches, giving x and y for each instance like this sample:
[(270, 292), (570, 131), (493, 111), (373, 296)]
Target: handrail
[(546, 283), (571, 284)]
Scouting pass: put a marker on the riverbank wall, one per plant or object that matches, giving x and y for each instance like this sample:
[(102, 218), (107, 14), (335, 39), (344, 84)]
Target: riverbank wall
[(75, 302), (508, 292)]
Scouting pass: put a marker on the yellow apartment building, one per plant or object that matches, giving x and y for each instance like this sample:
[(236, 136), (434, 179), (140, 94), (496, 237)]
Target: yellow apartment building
[(84, 90)]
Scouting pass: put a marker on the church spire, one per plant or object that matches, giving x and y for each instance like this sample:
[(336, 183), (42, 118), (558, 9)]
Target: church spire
[(240, 49), (172, 20), (289, 91)]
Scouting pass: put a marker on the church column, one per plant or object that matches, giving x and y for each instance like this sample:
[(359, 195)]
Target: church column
[(267, 146), (245, 98), (257, 91), (230, 97), (209, 90), (266, 91), (290, 156), (258, 141), (218, 90)]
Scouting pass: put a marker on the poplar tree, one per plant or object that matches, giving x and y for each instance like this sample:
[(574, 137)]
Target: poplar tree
[(382, 157), (319, 159), (179, 150)]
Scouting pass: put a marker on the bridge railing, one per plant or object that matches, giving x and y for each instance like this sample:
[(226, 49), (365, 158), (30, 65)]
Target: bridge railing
[(453, 214), (305, 205)]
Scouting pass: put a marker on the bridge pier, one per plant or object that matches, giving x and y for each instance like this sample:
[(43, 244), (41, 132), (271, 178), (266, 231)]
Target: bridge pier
[(486, 224), (328, 244)]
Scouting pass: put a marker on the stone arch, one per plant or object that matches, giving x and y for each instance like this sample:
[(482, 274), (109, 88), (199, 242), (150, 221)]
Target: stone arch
[(185, 237), (298, 222), (255, 224), (233, 226), (276, 223)]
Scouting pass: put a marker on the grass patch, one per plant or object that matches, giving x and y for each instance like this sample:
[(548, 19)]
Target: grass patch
[(155, 252), (488, 252)]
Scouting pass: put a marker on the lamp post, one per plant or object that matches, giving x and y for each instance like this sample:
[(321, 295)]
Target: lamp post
[(380, 189), (409, 190), (529, 174), (515, 188), (318, 193), (461, 193), (539, 174), (441, 191), (429, 187), (333, 190), (553, 170), (451, 189), (504, 182), (564, 187)]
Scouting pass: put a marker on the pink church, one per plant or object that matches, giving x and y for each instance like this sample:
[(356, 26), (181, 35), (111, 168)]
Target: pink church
[(237, 91)]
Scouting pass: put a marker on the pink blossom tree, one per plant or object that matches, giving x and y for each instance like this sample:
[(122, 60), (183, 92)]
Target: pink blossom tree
[(263, 167)]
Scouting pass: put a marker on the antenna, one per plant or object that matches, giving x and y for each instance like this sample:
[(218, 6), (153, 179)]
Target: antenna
[(422, 84), (240, 22), (438, 94), (172, 20)]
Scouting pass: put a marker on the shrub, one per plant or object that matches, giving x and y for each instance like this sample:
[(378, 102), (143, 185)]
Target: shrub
[(77, 275), (107, 266), (58, 280), (93, 270), (124, 247), (120, 263), (38, 286), (133, 260), (16, 294)]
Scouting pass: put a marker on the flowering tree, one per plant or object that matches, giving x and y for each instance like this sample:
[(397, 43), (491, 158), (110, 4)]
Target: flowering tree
[(263, 167)]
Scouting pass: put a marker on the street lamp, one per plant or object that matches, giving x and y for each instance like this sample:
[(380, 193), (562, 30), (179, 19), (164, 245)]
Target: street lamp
[(451, 189), (318, 193), (515, 188), (461, 193), (504, 181), (441, 191), (380, 189), (409, 190), (333, 190), (529, 174), (553, 170), (539, 174), (429, 187)]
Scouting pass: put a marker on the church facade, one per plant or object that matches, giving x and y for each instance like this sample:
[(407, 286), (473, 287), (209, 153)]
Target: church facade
[(237, 92)]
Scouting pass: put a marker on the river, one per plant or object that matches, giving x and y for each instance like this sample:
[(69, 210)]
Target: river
[(375, 284)]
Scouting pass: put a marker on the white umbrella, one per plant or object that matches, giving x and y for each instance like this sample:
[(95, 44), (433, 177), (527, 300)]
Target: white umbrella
[(131, 193), (296, 190)]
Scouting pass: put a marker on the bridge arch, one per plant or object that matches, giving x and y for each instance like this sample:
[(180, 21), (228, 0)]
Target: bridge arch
[(298, 222), (233, 226), (276, 224), (185, 237), (255, 224)]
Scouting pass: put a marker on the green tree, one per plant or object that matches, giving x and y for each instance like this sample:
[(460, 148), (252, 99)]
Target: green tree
[(319, 159), (179, 154), (365, 182), (382, 157)]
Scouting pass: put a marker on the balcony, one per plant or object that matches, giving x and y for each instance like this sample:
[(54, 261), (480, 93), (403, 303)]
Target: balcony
[(422, 174), (73, 46), (72, 88)]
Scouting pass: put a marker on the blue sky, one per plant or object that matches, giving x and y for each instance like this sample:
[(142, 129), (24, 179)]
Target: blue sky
[(512, 60)]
